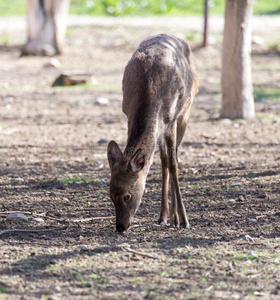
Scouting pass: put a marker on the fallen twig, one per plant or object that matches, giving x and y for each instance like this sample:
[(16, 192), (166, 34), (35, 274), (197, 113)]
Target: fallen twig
[(140, 253), (5, 213), (43, 215), (255, 275), (93, 219), (29, 213), (134, 226), (2, 232)]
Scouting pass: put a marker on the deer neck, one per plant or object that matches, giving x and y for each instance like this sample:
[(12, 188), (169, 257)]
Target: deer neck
[(145, 138)]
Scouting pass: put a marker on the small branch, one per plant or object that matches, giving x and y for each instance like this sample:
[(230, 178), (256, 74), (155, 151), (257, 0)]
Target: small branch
[(255, 275), (29, 213), (93, 219), (140, 253), (2, 232), (5, 213), (134, 226), (43, 215)]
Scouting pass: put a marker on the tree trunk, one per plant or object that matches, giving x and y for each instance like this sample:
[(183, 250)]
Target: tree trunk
[(205, 27), (46, 23), (237, 90)]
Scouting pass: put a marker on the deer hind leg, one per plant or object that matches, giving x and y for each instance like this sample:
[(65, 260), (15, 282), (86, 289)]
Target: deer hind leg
[(164, 210), (171, 143), (181, 128)]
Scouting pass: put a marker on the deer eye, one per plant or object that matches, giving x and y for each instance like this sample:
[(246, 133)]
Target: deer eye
[(126, 197)]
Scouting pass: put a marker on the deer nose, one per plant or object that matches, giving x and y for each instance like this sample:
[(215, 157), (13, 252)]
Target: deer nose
[(120, 228)]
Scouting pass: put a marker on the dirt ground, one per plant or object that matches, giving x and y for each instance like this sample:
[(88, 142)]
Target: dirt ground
[(53, 144)]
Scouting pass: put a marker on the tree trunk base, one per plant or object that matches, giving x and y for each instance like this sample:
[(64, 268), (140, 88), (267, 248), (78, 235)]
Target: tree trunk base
[(46, 26), (38, 49)]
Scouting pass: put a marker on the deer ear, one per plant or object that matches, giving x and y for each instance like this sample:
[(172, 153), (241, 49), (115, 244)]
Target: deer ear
[(114, 154), (137, 161)]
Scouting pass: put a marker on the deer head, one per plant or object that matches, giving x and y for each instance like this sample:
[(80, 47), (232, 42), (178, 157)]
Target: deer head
[(127, 183)]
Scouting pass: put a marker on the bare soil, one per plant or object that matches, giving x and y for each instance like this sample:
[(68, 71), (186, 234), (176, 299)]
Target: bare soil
[(53, 144)]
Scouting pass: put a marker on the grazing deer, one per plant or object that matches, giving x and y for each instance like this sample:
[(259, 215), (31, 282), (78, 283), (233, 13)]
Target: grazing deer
[(159, 85)]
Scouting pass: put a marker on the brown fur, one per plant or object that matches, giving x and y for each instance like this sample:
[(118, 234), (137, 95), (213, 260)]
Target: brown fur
[(159, 84)]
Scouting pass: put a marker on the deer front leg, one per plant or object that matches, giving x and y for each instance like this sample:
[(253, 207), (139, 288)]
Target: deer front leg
[(164, 210), (174, 218), (176, 199), (184, 223)]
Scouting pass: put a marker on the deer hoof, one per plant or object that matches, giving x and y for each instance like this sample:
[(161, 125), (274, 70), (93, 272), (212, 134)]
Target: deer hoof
[(162, 223), (174, 225), (185, 226)]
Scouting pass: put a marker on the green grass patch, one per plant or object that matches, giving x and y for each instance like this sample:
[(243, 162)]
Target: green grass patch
[(267, 94), (94, 276), (76, 180), (239, 257), (160, 7), (266, 7), (70, 31), (85, 281), (192, 37), (274, 45), (4, 39), (142, 7), (68, 180), (267, 118), (12, 8), (103, 281), (138, 280)]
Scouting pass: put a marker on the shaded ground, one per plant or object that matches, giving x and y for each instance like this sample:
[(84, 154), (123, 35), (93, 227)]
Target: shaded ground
[(53, 162)]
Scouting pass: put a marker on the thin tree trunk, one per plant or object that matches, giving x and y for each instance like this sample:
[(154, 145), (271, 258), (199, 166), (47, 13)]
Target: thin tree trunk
[(237, 90), (205, 28), (46, 23)]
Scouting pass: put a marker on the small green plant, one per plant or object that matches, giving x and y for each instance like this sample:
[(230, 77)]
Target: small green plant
[(94, 276), (193, 200), (77, 273), (275, 46), (192, 37), (103, 280), (85, 281), (138, 280), (69, 31)]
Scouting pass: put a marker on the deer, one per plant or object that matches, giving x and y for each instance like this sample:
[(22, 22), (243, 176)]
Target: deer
[(159, 84)]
